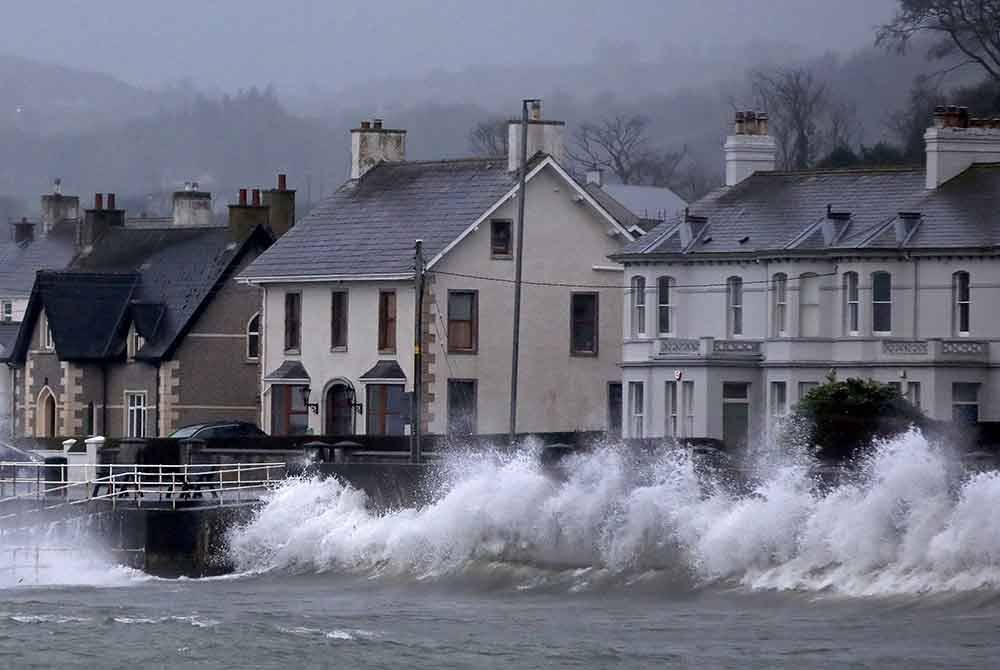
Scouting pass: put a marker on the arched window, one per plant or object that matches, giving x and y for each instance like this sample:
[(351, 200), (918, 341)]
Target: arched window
[(852, 304), (808, 305), (780, 298), (253, 338), (665, 307), (881, 303), (734, 312), (45, 414), (962, 301), (638, 306)]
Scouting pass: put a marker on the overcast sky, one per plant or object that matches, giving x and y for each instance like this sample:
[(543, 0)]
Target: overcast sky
[(296, 44)]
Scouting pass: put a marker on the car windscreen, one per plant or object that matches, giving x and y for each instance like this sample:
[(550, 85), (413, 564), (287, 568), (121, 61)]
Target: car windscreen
[(187, 431)]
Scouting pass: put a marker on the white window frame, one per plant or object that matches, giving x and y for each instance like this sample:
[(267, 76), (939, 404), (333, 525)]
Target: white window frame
[(638, 304), (137, 414), (671, 409), (734, 306), (954, 403), (636, 409), (251, 333), (961, 305), (664, 305), (780, 284), (881, 333), (913, 393), (809, 283), (852, 304), (779, 408), (134, 342), (7, 310), (687, 398)]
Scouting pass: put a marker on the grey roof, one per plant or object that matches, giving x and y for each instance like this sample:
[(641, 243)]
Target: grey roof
[(288, 371), (655, 203), (386, 369), (369, 226), (19, 261), (779, 211), (8, 336)]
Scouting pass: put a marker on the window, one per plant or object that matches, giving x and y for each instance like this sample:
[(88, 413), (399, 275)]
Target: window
[(734, 298), (808, 305), (780, 286), (779, 399), (46, 333), (463, 321), (385, 409), (687, 395), (965, 403), (671, 410), (90, 420), (852, 304), (501, 237), (735, 414), (638, 306), (461, 407), (881, 303), (293, 322), (289, 414), (135, 342), (636, 403), (805, 387), (583, 316), (614, 409), (913, 393), (135, 416), (387, 322), (664, 307), (961, 294), (338, 320), (253, 338), (7, 310)]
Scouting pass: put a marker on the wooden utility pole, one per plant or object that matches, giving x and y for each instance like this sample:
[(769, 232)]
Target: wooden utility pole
[(416, 412)]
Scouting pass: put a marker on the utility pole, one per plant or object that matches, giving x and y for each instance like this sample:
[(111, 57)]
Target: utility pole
[(418, 370), (515, 344)]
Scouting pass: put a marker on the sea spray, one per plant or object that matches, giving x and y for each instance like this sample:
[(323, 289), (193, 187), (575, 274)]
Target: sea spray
[(908, 521)]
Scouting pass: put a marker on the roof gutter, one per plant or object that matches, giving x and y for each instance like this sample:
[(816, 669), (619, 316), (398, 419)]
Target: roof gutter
[(309, 279)]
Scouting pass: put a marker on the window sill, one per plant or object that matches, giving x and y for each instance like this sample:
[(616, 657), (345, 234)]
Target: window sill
[(463, 352), (501, 257), (584, 354), (965, 333), (386, 352), (881, 333), (338, 350), (293, 352), (251, 361)]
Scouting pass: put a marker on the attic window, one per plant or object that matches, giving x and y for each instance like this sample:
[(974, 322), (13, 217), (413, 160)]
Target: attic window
[(501, 237)]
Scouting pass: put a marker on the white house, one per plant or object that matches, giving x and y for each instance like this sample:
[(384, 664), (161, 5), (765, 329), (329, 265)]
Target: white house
[(765, 286), (339, 296)]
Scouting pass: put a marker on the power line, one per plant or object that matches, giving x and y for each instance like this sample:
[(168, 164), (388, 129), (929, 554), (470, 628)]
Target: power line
[(503, 280)]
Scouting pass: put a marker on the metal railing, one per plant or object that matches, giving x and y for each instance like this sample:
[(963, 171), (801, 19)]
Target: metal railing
[(55, 485)]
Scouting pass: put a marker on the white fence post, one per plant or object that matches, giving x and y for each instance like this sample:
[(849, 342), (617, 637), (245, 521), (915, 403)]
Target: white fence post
[(94, 446)]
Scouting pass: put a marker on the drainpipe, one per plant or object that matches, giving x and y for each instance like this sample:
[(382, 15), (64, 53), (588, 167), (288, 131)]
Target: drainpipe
[(159, 427), (916, 298)]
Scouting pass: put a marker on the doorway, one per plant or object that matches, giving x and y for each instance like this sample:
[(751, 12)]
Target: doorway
[(735, 414), (340, 410), (615, 410)]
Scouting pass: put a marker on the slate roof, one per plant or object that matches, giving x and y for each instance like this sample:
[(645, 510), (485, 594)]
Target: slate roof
[(643, 206), (8, 336), (20, 260), (288, 371), (156, 278), (369, 225), (386, 369)]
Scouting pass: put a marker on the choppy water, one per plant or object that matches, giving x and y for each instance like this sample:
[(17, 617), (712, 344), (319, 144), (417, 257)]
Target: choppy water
[(620, 562)]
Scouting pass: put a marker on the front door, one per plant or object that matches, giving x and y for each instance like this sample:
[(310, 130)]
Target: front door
[(614, 410), (339, 410), (735, 414)]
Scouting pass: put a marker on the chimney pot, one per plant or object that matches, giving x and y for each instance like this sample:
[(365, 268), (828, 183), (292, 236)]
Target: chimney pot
[(377, 124), (282, 182), (111, 201), (366, 125), (243, 197), (535, 110), (255, 197), (98, 201)]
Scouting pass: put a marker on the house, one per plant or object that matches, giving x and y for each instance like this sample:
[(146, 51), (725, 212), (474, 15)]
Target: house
[(761, 289), (339, 296), (146, 331), (641, 208)]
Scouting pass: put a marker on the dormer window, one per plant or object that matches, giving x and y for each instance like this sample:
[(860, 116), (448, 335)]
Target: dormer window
[(501, 239)]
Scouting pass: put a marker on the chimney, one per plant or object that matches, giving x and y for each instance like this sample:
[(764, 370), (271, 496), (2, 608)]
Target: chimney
[(595, 177), (98, 220), (956, 141), (243, 218), (58, 208), (372, 144), (544, 136), (750, 148), (193, 207), (281, 203), (24, 230)]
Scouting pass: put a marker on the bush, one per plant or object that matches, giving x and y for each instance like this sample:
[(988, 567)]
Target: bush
[(844, 417)]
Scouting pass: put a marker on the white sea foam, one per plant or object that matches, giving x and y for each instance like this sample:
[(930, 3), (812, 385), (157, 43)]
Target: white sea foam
[(908, 522)]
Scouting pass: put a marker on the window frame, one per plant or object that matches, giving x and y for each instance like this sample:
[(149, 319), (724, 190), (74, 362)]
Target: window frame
[(474, 423), (473, 322), (913, 393), (509, 255), (289, 394), (383, 417), (7, 311), (810, 310), (734, 306), (687, 401), (293, 322), (134, 342), (343, 322), (594, 351), (977, 387), (637, 307), (252, 334), (636, 409), (665, 306), (671, 410), (778, 409), (387, 323), (779, 304), (961, 309), (138, 411), (852, 305), (875, 303)]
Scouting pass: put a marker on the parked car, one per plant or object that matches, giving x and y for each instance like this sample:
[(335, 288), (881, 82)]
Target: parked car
[(218, 429)]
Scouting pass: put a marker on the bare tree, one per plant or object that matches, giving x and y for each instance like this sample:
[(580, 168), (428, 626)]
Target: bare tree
[(968, 29), (620, 144), (843, 127), (796, 103), (489, 138)]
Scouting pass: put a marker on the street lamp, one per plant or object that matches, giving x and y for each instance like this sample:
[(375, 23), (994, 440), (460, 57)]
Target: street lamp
[(306, 392)]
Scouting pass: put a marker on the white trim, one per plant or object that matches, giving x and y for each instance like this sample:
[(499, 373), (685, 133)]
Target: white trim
[(384, 380), (143, 410), (608, 268), (216, 335), (273, 381), (320, 279)]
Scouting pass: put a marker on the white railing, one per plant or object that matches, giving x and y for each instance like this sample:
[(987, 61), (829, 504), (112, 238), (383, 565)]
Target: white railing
[(160, 486)]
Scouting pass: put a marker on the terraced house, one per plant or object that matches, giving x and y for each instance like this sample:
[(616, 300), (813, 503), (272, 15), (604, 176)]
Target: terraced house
[(339, 296), (146, 331), (761, 289)]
